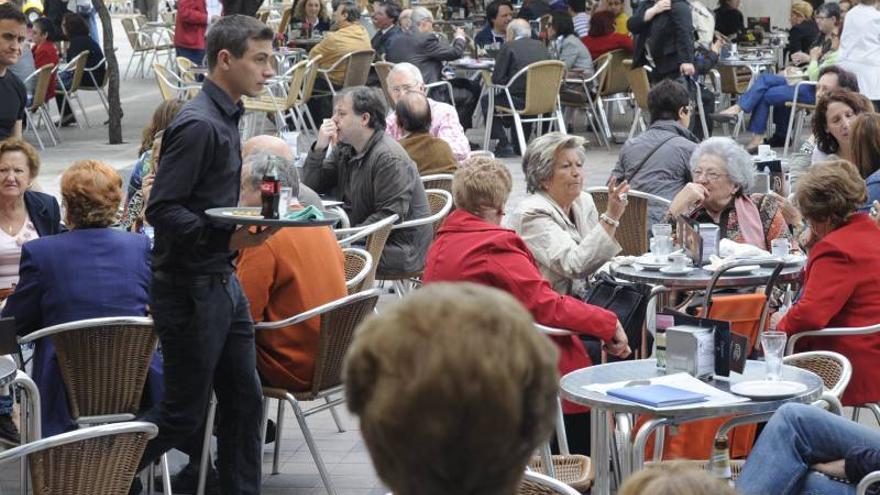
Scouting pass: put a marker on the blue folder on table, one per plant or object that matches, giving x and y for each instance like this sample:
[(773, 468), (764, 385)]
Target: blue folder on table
[(657, 395)]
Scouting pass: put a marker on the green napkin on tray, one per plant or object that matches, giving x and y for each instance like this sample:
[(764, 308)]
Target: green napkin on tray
[(306, 214)]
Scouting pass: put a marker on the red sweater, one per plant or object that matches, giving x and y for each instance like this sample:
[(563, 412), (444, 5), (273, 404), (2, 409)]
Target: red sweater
[(842, 289), (467, 248), (600, 45), (45, 53), (192, 22)]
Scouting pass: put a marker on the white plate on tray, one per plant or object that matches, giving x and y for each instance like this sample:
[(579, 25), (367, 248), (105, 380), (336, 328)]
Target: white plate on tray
[(768, 389)]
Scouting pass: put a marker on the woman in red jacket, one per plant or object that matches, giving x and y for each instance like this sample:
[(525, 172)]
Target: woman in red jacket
[(189, 30), (472, 246), (842, 277), (44, 50), (602, 37)]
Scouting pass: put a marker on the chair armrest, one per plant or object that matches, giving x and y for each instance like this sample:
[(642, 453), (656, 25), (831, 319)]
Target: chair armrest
[(553, 332), (829, 332), (293, 320), (867, 481)]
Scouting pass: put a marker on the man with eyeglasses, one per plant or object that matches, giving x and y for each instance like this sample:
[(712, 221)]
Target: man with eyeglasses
[(13, 95), (658, 160), (406, 77)]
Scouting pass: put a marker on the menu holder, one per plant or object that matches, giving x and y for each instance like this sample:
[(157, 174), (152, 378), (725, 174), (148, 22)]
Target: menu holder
[(729, 346), (688, 231), (777, 176)]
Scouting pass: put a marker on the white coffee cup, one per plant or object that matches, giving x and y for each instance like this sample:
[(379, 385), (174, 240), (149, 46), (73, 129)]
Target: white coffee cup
[(765, 151)]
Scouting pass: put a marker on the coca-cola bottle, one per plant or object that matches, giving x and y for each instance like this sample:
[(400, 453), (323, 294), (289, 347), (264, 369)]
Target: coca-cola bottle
[(270, 191)]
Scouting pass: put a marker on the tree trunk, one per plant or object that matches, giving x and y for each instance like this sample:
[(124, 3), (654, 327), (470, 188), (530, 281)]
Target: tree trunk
[(115, 128)]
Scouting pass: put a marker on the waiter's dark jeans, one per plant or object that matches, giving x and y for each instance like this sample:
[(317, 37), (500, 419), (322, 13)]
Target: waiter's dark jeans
[(204, 325)]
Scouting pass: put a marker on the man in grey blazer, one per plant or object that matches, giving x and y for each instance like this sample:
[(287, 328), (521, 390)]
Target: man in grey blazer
[(422, 47)]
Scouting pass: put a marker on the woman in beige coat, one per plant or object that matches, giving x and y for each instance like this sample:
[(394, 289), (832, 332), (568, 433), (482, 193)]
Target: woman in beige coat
[(559, 221)]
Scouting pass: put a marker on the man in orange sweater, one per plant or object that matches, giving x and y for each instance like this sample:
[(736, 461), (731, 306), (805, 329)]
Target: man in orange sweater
[(296, 270)]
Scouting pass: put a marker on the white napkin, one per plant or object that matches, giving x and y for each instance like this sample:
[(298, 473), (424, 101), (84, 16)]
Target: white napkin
[(731, 249)]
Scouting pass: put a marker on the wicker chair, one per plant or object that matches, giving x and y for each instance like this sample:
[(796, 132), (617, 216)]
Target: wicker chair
[(357, 69), (98, 86), (104, 364), (440, 203), (77, 66), (38, 112), (339, 319), (289, 105), (613, 86), (573, 470), (578, 94), (834, 369), (358, 266), (543, 80), (874, 407), (633, 231), (383, 69), (173, 87), (638, 81), (538, 484), (99, 459), (438, 181), (375, 235)]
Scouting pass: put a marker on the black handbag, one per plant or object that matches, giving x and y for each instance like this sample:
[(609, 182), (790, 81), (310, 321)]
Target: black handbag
[(629, 301)]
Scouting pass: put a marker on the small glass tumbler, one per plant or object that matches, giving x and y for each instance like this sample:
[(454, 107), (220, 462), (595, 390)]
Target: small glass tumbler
[(773, 344), (780, 248), (284, 202), (662, 233)]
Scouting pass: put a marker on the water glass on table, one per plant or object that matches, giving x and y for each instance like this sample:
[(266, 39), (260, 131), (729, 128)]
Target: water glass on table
[(773, 343), (662, 239), (780, 248)]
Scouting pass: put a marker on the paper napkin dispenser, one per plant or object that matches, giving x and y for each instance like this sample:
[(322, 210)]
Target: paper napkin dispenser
[(690, 349)]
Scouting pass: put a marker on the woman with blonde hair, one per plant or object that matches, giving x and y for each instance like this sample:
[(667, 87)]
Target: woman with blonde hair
[(678, 479), (92, 271)]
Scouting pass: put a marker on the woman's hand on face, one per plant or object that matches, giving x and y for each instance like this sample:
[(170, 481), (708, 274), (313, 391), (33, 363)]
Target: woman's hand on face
[(690, 196), (617, 198), (147, 186)]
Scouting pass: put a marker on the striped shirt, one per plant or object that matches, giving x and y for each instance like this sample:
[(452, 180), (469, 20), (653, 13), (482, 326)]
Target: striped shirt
[(581, 24)]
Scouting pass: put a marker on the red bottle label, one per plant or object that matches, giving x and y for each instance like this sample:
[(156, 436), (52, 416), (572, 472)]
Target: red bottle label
[(270, 187)]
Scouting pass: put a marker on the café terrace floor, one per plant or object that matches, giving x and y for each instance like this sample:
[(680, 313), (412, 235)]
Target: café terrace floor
[(344, 453)]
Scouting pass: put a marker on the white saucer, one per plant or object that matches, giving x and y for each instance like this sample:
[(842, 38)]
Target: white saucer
[(651, 263), (767, 389), (670, 270)]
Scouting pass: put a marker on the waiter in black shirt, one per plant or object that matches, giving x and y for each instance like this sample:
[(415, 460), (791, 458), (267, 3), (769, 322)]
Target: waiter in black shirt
[(200, 313)]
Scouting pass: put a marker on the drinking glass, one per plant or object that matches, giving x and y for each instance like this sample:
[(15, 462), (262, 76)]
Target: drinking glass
[(284, 202), (774, 344), (662, 239), (780, 248)]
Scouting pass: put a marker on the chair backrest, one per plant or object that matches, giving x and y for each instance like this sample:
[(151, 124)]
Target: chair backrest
[(166, 87), (339, 320), (440, 204), (298, 74), (94, 83), (543, 80), (104, 363), (79, 66), (263, 16), (309, 80), (100, 459), (638, 81), (735, 80), (285, 20), (183, 68), (382, 71), (358, 69), (438, 181), (632, 234), (358, 265), (538, 484), (615, 80), (131, 31), (375, 236), (44, 77), (834, 369)]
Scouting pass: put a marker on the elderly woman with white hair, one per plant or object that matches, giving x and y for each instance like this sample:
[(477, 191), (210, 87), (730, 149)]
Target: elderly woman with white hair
[(723, 175), (559, 221)]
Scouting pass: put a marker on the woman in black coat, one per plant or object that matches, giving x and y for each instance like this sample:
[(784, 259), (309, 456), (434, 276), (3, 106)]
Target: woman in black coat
[(77, 31), (729, 20), (804, 31)]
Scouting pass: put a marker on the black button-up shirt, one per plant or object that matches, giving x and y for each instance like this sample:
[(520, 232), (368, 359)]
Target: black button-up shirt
[(199, 168)]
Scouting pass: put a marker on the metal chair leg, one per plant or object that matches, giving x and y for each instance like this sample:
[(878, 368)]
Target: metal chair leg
[(82, 109), (490, 115), (310, 442), (855, 413), (166, 475), (335, 415), (279, 424), (520, 134), (206, 446)]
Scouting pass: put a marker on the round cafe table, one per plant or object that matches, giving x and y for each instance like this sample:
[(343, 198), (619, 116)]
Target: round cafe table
[(699, 278), (604, 407)]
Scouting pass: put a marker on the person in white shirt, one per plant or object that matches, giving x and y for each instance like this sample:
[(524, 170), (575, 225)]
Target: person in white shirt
[(860, 48), (405, 77)]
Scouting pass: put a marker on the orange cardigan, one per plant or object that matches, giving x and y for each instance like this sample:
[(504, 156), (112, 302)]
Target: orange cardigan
[(296, 270)]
